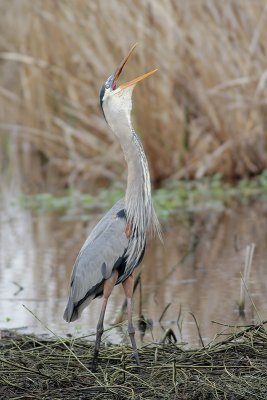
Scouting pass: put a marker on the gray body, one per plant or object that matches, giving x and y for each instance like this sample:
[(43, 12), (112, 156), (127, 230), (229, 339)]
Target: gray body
[(109, 248), (103, 252)]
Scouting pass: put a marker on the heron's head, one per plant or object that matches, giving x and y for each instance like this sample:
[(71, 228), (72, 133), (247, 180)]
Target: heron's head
[(116, 100)]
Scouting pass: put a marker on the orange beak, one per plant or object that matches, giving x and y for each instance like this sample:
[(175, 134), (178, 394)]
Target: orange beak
[(120, 68), (138, 79)]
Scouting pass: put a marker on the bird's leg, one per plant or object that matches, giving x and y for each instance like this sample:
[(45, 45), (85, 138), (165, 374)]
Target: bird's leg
[(128, 285), (108, 287), (99, 332)]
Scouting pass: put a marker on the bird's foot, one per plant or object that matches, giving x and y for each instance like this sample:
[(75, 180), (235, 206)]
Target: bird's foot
[(136, 358), (94, 362), (131, 332)]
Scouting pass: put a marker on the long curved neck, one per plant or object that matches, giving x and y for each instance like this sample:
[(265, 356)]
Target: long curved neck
[(139, 208), (138, 202)]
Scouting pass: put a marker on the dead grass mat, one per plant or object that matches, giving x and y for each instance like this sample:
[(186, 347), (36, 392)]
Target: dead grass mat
[(37, 368)]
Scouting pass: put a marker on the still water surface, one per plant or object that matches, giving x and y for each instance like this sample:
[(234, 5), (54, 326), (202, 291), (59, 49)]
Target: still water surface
[(196, 271)]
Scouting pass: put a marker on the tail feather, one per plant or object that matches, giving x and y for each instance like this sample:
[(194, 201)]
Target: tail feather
[(71, 312)]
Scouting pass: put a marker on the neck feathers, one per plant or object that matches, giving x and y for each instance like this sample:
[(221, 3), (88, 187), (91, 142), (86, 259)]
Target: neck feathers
[(140, 213), (138, 202)]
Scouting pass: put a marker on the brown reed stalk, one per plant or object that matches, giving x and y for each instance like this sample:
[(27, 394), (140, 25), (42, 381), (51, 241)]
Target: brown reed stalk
[(204, 111)]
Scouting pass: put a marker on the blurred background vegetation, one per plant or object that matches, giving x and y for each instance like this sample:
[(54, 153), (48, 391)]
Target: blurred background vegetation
[(203, 113)]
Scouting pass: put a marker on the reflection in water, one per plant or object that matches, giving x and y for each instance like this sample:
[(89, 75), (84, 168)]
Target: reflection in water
[(197, 270)]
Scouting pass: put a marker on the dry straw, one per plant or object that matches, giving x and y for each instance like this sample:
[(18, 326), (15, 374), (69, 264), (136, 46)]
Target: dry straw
[(244, 281), (40, 368), (203, 112)]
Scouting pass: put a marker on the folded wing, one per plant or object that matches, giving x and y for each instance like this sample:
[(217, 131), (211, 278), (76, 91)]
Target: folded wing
[(101, 254)]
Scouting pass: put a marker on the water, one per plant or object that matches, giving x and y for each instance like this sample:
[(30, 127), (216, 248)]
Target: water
[(196, 271)]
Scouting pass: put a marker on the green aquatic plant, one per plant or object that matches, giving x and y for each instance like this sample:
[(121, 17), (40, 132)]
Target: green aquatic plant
[(171, 199)]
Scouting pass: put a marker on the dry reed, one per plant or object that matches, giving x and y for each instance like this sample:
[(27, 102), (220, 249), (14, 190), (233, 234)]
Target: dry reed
[(204, 111), (39, 368), (244, 281)]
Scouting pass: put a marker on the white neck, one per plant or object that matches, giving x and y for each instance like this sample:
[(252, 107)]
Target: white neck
[(138, 202)]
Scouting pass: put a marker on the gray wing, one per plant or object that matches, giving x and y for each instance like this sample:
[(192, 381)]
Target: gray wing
[(102, 251), (103, 224)]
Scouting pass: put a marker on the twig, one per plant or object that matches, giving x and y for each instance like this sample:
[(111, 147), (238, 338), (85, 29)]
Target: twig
[(164, 311), (168, 334), (198, 330), (179, 324), (20, 288), (252, 302), (245, 282)]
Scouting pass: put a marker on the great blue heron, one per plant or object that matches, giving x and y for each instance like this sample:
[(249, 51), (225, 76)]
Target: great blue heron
[(116, 245)]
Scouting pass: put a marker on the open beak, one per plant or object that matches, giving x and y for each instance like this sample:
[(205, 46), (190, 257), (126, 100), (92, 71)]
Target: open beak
[(120, 68)]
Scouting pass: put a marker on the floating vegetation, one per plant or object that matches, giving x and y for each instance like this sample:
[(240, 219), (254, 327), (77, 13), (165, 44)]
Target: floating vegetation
[(40, 368), (175, 195)]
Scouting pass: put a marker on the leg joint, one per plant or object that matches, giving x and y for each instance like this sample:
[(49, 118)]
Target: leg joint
[(100, 330), (131, 329)]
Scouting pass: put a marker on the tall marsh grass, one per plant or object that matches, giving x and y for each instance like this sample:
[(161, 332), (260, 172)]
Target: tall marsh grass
[(205, 111)]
